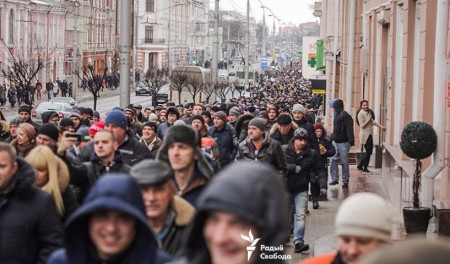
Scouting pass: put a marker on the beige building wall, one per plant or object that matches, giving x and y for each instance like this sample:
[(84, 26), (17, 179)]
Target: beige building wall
[(396, 40)]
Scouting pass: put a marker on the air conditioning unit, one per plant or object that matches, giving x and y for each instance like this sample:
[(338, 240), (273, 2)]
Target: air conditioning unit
[(384, 17)]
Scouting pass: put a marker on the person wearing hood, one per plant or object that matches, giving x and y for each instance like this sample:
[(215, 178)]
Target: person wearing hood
[(241, 126), (110, 227), (106, 159), (302, 163), (343, 139), (50, 117), (223, 219), (31, 228), (168, 214), (76, 118), (225, 137), (181, 150)]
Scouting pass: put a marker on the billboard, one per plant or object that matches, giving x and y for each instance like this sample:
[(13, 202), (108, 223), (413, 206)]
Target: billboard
[(309, 56)]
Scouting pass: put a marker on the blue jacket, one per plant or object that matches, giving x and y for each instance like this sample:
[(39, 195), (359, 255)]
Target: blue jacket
[(116, 192), (227, 141)]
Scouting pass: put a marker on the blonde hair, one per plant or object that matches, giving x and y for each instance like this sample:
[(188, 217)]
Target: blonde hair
[(42, 157)]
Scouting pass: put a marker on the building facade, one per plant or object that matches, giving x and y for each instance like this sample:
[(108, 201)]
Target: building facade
[(396, 55)]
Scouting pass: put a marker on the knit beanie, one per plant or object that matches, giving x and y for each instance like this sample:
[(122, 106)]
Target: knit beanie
[(365, 215), (76, 114), (117, 118), (49, 130), (198, 117), (235, 111), (153, 125), (222, 116), (96, 113), (97, 126), (84, 132), (29, 130), (15, 121), (284, 119), (263, 114), (152, 116), (24, 108), (298, 107), (65, 122), (131, 110), (257, 122)]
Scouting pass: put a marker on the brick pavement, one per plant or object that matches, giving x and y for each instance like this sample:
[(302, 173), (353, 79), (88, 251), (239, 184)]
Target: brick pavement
[(319, 232)]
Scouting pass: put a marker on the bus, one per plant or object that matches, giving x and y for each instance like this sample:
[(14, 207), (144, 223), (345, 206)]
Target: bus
[(240, 75), (196, 72)]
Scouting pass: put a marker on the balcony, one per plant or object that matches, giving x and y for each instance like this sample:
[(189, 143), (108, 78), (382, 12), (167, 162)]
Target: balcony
[(154, 41)]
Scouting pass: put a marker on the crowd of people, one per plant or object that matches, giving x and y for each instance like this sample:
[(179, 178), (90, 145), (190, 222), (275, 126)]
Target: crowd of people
[(199, 183)]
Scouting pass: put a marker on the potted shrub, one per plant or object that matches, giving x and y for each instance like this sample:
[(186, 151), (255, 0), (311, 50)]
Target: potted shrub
[(418, 141)]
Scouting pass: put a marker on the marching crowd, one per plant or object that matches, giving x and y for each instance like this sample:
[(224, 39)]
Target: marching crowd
[(184, 184)]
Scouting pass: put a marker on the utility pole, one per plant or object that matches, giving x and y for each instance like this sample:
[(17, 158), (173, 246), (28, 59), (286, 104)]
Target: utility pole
[(247, 48), (135, 38), (264, 33), (125, 45), (74, 53), (168, 38), (215, 57)]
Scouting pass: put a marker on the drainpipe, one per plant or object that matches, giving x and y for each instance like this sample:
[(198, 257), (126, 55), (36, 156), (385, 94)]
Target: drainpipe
[(351, 46), (440, 85), (335, 48)]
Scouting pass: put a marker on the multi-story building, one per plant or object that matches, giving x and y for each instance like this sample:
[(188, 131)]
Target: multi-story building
[(396, 55), (32, 28)]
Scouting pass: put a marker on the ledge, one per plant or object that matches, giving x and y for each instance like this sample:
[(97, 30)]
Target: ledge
[(397, 154)]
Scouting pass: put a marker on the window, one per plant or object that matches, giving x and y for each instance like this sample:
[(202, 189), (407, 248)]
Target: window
[(11, 27), (150, 5), (148, 34)]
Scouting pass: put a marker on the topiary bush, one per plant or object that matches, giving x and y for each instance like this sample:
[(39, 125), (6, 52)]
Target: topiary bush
[(419, 140)]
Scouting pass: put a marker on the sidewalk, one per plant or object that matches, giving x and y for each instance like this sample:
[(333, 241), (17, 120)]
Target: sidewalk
[(319, 232), (81, 97)]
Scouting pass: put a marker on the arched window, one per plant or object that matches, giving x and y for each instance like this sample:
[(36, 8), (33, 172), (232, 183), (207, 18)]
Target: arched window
[(11, 27)]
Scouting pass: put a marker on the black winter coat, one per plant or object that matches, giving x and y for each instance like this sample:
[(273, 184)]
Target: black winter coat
[(132, 151), (30, 228), (343, 128), (227, 141), (312, 138), (269, 153), (310, 162), (95, 169)]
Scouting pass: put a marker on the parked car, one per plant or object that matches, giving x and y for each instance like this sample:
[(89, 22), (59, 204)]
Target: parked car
[(142, 89), (68, 100), (162, 96), (63, 109)]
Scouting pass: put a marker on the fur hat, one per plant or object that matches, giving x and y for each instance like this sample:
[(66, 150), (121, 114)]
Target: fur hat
[(49, 130), (257, 122), (117, 118), (365, 215), (29, 130), (173, 110), (222, 116)]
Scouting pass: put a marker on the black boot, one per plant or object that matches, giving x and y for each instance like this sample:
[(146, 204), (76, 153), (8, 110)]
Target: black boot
[(315, 200)]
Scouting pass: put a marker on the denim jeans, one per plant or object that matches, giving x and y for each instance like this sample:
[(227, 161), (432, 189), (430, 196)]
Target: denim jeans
[(342, 151), (300, 202)]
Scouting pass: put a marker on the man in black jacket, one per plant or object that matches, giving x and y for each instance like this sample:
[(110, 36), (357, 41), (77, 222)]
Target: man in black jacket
[(259, 146), (169, 215), (302, 162), (131, 149), (31, 228), (343, 139), (105, 159)]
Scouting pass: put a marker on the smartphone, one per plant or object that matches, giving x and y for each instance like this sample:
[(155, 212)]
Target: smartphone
[(74, 135)]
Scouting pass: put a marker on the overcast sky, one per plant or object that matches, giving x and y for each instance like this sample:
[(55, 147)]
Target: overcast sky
[(293, 11)]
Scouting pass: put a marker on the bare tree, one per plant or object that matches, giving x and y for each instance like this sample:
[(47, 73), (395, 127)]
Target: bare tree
[(222, 90), (92, 81), (155, 80), (209, 89), (178, 81), (21, 71), (194, 86)]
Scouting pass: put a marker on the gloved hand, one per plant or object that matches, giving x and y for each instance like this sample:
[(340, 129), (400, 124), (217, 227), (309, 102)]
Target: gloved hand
[(323, 192), (298, 169)]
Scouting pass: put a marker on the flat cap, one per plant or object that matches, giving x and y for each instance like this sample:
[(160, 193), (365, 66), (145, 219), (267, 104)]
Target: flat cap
[(151, 172)]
